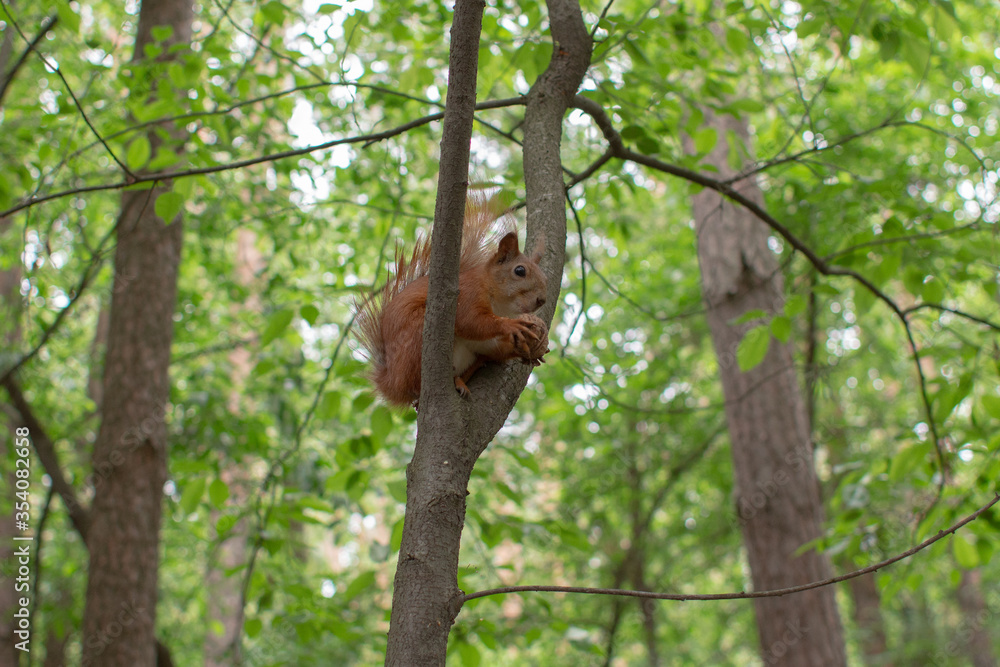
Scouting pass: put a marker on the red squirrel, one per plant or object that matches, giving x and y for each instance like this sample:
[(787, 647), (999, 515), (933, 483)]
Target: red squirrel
[(497, 289)]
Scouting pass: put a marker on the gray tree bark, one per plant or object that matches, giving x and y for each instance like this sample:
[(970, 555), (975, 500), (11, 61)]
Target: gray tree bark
[(130, 453), (452, 434), (777, 492)]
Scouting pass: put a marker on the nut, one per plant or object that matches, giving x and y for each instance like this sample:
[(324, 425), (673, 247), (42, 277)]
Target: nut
[(538, 347)]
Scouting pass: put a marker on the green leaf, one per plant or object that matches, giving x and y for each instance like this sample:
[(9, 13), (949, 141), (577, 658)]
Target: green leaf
[(992, 406), (362, 401), (218, 492), (164, 158), (749, 316), (139, 152), (469, 655), (753, 348), (397, 535), (965, 553), (191, 497), (705, 139), (917, 53), (276, 324), (905, 461), (795, 305), (397, 490), (69, 19), (253, 626), (736, 40), (168, 205), (329, 406), (933, 291), (162, 33), (781, 328), (274, 12), (633, 132), (648, 146), (309, 313), (381, 423), (361, 582)]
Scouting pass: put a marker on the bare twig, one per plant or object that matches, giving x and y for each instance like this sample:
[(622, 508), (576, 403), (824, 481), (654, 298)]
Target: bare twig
[(726, 189), (741, 595), (9, 77), (262, 159)]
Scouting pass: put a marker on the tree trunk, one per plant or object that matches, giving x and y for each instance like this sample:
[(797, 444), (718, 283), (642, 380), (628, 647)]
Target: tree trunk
[(130, 453), (452, 434), (426, 598), (868, 619), (225, 595), (777, 491), (976, 623)]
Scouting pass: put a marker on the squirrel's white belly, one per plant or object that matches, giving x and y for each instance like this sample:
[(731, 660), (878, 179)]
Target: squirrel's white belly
[(467, 350)]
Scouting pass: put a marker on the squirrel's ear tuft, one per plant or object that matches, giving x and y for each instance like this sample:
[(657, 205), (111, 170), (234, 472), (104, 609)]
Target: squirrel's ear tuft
[(508, 249)]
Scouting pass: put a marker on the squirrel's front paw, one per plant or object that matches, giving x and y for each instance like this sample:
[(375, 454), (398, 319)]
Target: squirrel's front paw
[(534, 349), (521, 335)]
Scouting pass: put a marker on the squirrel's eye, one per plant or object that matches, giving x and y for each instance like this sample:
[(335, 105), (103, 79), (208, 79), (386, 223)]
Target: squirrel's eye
[(520, 271)]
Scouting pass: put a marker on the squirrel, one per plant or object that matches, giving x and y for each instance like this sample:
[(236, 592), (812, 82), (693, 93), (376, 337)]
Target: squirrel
[(498, 292)]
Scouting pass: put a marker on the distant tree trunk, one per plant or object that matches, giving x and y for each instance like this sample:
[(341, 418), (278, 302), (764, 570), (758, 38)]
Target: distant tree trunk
[(130, 453), (976, 620), (224, 589), (777, 491), (225, 600), (868, 619)]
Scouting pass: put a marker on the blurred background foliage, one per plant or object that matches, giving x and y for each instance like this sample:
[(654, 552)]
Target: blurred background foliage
[(874, 124)]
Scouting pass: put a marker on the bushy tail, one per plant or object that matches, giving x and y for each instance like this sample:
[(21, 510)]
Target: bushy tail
[(482, 213)]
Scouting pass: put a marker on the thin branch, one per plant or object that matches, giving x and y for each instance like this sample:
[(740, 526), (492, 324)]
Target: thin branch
[(168, 175), (583, 274), (806, 105), (591, 170), (953, 311), (888, 123), (44, 447), (47, 454), (726, 189), (269, 483), (604, 12), (69, 89), (972, 226), (96, 260), (46, 26), (741, 595)]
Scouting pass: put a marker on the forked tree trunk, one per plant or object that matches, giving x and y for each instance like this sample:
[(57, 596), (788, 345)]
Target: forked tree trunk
[(777, 492), (452, 434), (130, 453)]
